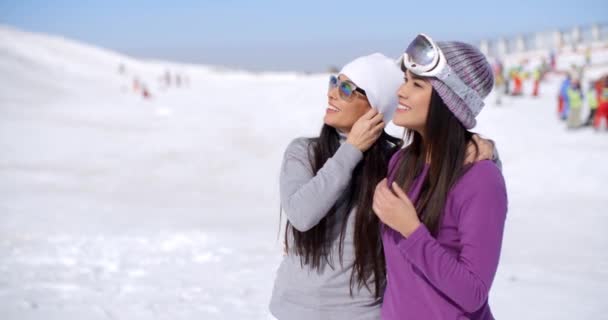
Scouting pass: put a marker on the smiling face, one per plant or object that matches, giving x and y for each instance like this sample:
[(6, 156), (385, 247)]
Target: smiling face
[(414, 102), (342, 114)]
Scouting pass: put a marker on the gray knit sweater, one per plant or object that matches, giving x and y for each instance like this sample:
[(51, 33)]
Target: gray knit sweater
[(301, 292)]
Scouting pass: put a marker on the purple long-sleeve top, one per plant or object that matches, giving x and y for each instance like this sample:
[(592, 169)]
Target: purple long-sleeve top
[(448, 276)]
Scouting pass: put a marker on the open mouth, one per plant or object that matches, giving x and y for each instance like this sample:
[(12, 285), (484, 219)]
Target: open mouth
[(402, 107), (332, 108)]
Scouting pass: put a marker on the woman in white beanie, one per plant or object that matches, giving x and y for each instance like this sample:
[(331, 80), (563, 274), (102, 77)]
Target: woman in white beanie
[(333, 266)]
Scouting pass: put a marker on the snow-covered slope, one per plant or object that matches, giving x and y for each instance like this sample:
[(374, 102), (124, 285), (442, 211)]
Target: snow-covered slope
[(115, 206)]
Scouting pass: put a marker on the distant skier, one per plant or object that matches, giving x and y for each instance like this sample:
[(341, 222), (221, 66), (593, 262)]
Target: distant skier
[(145, 92), (168, 78), (588, 56), (499, 81), (562, 109), (136, 85), (592, 102), (601, 117), (517, 82), (536, 76), (553, 59), (575, 100)]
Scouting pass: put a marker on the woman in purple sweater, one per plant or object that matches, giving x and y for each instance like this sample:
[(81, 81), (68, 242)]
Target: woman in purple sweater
[(442, 237)]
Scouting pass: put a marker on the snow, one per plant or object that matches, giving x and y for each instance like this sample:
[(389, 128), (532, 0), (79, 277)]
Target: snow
[(117, 207)]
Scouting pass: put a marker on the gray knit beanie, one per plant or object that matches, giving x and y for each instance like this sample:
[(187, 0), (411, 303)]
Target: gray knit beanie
[(473, 69)]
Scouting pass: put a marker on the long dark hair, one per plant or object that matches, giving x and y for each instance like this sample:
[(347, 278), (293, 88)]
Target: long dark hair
[(314, 246), (445, 141)]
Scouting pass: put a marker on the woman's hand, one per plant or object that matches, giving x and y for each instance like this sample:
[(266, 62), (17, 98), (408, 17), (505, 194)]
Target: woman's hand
[(486, 150), (366, 130), (395, 209)]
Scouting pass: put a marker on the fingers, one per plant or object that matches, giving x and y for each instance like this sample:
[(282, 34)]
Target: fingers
[(472, 151), (379, 127), (370, 114), (377, 202), (485, 150), (488, 149), (375, 208), (377, 118), (477, 138), (484, 155), (469, 156), (379, 187), (368, 131), (492, 144), (401, 194), (386, 195), (379, 194)]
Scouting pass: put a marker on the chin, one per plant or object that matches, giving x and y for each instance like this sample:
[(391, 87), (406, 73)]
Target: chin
[(406, 125), (405, 122), (332, 120), (400, 122)]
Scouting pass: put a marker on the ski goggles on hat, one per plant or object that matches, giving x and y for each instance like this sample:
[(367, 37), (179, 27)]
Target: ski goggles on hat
[(346, 88), (424, 58)]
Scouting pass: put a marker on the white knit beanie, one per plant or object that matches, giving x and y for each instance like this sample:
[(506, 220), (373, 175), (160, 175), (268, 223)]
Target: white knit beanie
[(380, 77)]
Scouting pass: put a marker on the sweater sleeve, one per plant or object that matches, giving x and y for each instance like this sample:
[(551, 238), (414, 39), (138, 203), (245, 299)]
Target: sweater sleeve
[(496, 156), (481, 204), (306, 198)]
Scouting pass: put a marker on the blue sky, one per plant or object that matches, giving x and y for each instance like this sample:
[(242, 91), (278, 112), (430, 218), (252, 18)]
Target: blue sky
[(287, 35)]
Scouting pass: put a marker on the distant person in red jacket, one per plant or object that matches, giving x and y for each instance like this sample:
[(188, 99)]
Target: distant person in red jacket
[(601, 116)]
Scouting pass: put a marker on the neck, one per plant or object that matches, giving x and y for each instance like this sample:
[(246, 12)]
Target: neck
[(343, 134), (427, 156)]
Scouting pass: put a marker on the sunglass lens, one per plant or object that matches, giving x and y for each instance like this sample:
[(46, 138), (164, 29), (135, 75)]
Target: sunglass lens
[(333, 82), (346, 89)]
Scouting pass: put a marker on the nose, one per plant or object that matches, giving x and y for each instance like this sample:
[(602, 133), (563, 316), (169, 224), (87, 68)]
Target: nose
[(332, 93), (402, 92)]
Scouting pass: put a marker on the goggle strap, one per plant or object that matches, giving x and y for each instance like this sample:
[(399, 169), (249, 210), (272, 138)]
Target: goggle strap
[(470, 97)]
